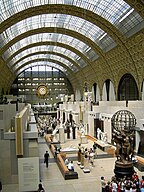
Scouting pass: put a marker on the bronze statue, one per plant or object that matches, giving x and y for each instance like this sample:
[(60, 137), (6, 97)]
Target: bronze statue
[(123, 123), (124, 145)]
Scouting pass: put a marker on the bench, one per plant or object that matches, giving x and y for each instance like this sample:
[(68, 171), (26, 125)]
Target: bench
[(63, 168), (140, 163), (48, 139)]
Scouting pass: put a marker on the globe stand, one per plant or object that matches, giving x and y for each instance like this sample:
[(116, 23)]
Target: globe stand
[(123, 169)]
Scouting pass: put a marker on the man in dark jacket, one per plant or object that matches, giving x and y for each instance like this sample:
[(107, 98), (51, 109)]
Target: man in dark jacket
[(46, 158)]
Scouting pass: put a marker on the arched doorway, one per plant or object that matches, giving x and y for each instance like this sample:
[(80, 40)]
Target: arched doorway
[(127, 89)]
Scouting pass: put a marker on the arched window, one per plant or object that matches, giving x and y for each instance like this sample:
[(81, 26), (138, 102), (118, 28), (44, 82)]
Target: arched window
[(127, 89)]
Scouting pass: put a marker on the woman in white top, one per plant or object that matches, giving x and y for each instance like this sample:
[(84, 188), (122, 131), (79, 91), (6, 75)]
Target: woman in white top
[(71, 166), (114, 186)]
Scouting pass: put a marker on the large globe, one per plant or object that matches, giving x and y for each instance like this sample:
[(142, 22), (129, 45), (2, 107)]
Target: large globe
[(123, 119)]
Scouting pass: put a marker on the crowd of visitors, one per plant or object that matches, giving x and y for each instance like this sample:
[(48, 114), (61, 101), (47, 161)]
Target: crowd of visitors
[(46, 124), (125, 184)]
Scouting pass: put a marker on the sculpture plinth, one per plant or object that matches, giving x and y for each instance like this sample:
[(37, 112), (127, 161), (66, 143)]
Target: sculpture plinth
[(123, 123), (123, 169)]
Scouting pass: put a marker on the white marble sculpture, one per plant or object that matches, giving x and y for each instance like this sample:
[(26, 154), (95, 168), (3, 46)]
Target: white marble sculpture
[(99, 133)]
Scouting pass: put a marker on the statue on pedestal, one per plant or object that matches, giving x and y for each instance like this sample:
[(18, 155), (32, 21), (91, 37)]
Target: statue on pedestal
[(82, 128), (99, 133), (123, 123)]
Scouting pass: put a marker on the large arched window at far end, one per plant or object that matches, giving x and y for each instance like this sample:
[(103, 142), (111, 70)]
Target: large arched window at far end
[(127, 89)]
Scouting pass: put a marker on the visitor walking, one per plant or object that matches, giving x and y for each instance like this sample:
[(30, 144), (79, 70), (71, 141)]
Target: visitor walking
[(46, 158)]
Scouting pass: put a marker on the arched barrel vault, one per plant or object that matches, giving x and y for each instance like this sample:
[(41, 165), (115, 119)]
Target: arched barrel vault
[(88, 15)]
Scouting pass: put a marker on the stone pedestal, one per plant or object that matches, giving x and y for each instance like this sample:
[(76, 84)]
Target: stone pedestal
[(82, 161), (61, 135), (79, 157), (86, 165), (123, 169), (83, 139)]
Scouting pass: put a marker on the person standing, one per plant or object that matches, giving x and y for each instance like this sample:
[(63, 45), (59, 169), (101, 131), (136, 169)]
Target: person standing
[(103, 184), (74, 129), (142, 188), (114, 186), (46, 158), (79, 152), (40, 188), (108, 187), (94, 149)]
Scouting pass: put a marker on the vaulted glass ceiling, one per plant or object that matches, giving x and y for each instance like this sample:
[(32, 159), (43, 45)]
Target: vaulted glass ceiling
[(44, 48), (57, 38), (116, 12), (104, 8), (58, 21), (50, 64), (46, 57)]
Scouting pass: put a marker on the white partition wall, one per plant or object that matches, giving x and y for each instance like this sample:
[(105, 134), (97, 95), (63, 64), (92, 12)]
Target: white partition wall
[(18, 143), (112, 96), (91, 123), (104, 94), (97, 94), (28, 169), (77, 95), (108, 129)]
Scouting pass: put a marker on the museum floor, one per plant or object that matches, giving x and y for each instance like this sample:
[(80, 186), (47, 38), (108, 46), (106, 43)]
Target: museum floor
[(53, 180)]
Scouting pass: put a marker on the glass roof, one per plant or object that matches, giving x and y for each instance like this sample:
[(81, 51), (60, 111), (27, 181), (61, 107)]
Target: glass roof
[(52, 37), (40, 64), (113, 11), (46, 48), (41, 68), (57, 20), (117, 12), (45, 56)]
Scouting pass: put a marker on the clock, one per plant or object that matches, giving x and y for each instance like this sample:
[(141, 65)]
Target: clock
[(42, 91)]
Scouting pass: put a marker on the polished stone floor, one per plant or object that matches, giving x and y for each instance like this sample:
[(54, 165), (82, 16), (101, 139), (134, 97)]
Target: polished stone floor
[(53, 180)]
